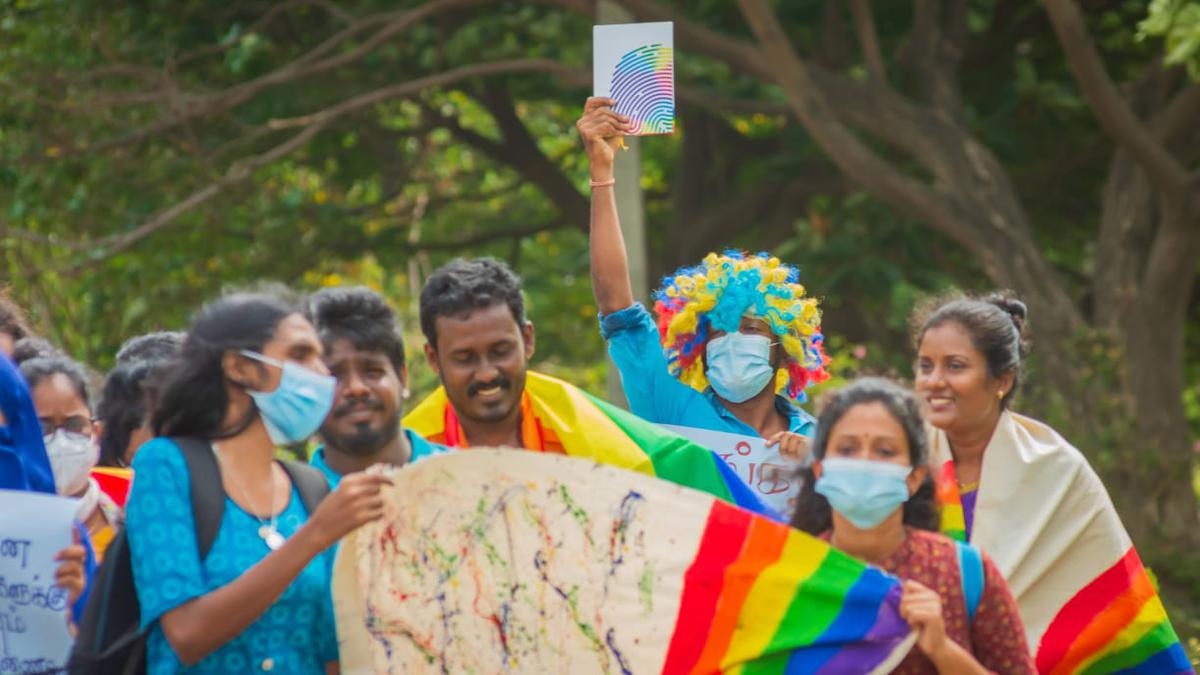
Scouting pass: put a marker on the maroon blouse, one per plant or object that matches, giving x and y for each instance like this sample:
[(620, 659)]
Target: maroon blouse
[(996, 637)]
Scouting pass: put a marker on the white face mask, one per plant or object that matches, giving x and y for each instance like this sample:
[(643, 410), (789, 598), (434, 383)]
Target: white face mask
[(72, 456)]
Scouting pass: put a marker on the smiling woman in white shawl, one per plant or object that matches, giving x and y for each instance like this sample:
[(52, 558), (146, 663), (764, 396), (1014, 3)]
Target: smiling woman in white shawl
[(1016, 489)]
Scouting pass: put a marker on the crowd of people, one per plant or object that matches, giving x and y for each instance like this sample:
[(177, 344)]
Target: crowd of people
[(938, 484)]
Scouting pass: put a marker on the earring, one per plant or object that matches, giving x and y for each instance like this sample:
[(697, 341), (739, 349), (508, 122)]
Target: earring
[(1000, 395)]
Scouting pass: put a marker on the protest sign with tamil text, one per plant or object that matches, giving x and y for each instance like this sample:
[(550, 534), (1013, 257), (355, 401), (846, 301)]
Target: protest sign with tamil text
[(770, 475), (34, 527)]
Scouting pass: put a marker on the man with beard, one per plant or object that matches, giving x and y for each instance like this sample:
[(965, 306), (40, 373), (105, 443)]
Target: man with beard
[(365, 352), (479, 342)]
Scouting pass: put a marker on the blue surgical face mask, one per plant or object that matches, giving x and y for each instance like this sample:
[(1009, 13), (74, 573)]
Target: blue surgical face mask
[(864, 491), (295, 410), (739, 365)]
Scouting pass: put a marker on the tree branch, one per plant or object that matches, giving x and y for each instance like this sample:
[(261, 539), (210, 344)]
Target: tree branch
[(524, 154), (191, 106), (739, 54), (260, 23), (846, 151), (868, 40), (1179, 116), (1106, 102), (313, 124)]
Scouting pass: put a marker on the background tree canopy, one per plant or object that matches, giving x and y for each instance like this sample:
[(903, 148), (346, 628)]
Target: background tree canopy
[(154, 152)]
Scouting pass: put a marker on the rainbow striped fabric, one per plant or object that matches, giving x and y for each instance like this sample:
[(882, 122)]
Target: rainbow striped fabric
[(1045, 519), (508, 561), (953, 520), (1114, 624), (761, 598), (584, 426)]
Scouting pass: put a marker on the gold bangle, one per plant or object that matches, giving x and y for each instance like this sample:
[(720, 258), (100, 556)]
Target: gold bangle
[(601, 183)]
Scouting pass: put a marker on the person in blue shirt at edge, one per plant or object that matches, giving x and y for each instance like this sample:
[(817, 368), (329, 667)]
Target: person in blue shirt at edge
[(732, 332), (24, 463), (364, 350), (249, 379)]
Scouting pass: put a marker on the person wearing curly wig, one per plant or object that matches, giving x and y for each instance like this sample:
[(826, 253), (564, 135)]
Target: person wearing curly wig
[(1015, 488), (868, 492), (736, 340)]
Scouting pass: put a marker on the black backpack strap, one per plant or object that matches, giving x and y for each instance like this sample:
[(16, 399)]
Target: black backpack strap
[(310, 482), (208, 493)]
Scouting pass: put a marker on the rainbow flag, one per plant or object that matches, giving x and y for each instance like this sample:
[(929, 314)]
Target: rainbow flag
[(586, 427), (953, 520), (1114, 624), (760, 598), (1045, 519), (499, 560)]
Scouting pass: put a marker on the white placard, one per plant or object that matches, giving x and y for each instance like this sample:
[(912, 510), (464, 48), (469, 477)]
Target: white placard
[(634, 63), (770, 475), (34, 527)]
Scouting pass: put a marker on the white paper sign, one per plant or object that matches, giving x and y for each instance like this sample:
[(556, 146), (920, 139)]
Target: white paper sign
[(34, 527), (634, 63), (770, 475)]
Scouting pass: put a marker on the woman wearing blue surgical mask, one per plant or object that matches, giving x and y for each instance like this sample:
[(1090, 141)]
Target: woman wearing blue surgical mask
[(249, 379), (870, 495)]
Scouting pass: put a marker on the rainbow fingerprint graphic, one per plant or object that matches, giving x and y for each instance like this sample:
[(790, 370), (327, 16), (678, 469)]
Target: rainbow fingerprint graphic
[(643, 84)]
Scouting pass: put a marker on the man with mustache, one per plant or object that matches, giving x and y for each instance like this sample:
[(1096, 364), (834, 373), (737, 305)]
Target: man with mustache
[(364, 350), (480, 343)]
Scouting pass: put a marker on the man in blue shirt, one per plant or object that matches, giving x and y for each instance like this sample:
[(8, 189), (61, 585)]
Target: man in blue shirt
[(733, 331), (364, 350)]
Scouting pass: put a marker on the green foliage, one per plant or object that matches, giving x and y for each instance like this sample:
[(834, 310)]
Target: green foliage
[(1178, 23)]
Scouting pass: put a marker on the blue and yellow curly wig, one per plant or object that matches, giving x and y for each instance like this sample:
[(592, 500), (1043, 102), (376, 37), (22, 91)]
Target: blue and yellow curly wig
[(715, 294)]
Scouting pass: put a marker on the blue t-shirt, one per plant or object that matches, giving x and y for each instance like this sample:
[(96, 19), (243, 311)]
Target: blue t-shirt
[(421, 449), (295, 635), (656, 395)]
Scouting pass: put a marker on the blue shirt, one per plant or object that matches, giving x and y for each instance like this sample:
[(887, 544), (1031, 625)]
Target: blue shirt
[(23, 461), (421, 449), (294, 635), (656, 395)]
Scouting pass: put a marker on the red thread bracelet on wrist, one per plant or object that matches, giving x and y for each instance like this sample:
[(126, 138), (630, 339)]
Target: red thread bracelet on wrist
[(601, 183)]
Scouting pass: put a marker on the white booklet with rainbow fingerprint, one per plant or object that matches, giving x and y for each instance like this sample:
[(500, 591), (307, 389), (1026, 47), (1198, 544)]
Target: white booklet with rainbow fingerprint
[(634, 63)]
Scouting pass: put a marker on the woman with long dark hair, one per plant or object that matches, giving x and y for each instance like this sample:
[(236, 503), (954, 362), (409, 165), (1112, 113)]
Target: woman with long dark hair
[(869, 494), (249, 379)]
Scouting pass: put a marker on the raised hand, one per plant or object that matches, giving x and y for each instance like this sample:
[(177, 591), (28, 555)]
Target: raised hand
[(601, 129)]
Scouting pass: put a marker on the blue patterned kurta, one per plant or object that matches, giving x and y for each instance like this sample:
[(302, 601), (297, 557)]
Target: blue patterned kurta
[(295, 635)]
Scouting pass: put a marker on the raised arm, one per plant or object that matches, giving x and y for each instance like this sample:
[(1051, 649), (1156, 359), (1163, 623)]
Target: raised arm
[(601, 129)]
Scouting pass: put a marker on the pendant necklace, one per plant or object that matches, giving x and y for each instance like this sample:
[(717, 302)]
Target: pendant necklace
[(267, 529)]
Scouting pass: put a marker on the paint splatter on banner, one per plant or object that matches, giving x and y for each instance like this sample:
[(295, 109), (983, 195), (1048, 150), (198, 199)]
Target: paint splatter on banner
[(506, 561)]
